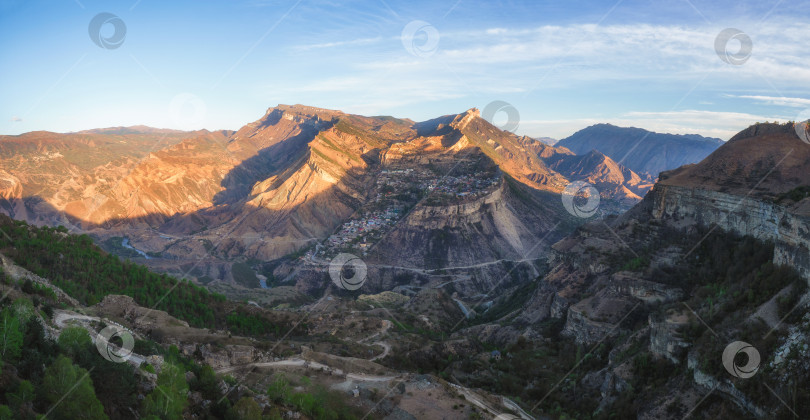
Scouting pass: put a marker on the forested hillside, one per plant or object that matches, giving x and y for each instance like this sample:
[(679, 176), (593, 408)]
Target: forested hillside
[(87, 273)]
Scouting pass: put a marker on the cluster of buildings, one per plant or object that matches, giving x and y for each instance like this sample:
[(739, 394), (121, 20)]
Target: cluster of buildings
[(394, 182), (356, 229), (463, 185), (361, 233)]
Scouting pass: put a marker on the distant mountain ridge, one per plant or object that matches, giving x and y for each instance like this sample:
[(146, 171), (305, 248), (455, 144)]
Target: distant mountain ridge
[(643, 151)]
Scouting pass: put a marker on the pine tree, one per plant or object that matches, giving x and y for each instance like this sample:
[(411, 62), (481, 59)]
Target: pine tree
[(11, 337), (169, 398), (71, 388)]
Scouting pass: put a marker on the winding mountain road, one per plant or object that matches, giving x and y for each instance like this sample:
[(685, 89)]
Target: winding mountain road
[(61, 318)]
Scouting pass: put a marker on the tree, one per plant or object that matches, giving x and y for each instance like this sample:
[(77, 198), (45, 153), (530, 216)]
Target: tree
[(279, 391), (71, 388), (24, 310), (116, 384), (169, 398), (245, 409), (6, 413), (23, 395), (74, 341), (11, 337), (208, 383)]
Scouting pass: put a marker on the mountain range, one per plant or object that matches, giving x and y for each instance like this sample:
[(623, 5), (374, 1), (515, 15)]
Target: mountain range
[(484, 294), (290, 180), (645, 152)]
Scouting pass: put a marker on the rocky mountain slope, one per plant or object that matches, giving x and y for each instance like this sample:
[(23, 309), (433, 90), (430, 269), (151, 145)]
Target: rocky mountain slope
[(757, 184), (715, 254), (43, 171), (301, 175), (645, 152)]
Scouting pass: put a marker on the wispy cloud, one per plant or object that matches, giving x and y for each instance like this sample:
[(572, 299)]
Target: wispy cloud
[(578, 62), (567, 56), (336, 44), (15, 119), (776, 100)]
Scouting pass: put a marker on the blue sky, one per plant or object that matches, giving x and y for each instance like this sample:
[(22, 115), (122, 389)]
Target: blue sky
[(563, 65)]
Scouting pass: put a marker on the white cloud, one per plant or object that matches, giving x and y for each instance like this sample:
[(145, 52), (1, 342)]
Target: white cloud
[(496, 31), (777, 100), (564, 56), (578, 62)]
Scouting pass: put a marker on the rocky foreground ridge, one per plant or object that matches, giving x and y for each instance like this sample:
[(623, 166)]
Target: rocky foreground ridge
[(716, 253)]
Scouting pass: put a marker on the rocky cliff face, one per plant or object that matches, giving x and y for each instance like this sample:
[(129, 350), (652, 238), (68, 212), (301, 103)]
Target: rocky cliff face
[(496, 240), (756, 185), (10, 187), (666, 340), (744, 215), (724, 386)]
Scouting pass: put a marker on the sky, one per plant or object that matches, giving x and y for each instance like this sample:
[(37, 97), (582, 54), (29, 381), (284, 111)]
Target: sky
[(690, 66)]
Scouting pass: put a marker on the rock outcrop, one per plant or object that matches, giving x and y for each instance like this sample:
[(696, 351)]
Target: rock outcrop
[(665, 338), (756, 185), (768, 221)]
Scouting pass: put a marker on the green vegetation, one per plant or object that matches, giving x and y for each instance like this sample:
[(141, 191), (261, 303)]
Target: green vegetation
[(63, 378), (243, 323), (795, 195), (87, 273), (636, 264), (37, 378), (37, 375), (245, 409), (317, 402), (506, 305), (37, 371), (324, 157), (332, 146), (115, 245), (11, 337), (168, 399), (73, 340), (244, 275)]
